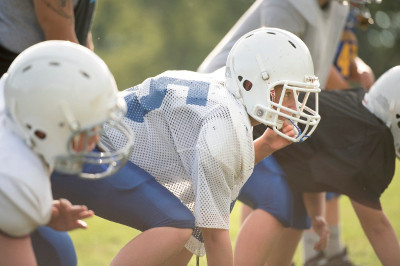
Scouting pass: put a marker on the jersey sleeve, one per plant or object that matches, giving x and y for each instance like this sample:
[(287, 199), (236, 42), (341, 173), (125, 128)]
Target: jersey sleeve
[(25, 206), (216, 168)]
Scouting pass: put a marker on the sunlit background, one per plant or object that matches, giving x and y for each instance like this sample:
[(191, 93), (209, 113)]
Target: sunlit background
[(379, 45), (142, 38)]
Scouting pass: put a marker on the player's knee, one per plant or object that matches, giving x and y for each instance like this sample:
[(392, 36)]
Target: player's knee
[(185, 234), (178, 236)]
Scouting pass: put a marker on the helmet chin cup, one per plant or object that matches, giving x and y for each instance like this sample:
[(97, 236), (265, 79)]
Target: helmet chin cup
[(109, 160)]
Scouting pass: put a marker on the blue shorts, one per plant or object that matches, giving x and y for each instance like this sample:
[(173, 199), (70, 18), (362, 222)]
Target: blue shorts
[(268, 190), (53, 247), (131, 197), (331, 195)]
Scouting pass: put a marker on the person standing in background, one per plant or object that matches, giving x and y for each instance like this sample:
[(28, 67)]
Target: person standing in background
[(350, 70), (319, 23), (27, 22), (346, 73)]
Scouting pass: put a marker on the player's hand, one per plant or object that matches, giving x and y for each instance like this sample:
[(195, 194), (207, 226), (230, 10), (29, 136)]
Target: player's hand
[(277, 142), (321, 227), (66, 217)]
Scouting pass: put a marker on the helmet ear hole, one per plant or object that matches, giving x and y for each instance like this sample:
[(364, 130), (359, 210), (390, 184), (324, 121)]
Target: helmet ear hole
[(247, 85), (40, 134)]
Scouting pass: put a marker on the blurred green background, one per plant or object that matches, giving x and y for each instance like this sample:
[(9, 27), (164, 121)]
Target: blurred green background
[(139, 39), (142, 38)]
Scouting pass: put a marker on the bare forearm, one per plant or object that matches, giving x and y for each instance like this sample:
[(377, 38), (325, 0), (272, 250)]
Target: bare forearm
[(336, 80), (262, 149), (56, 18), (270, 141), (89, 41), (314, 203)]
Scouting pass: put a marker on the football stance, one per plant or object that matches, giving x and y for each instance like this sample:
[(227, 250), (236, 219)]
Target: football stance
[(54, 99), (193, 135)]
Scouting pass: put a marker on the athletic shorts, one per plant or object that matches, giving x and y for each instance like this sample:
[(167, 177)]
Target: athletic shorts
[(131, 197), (331, 195), (268, 190), (53, 247)]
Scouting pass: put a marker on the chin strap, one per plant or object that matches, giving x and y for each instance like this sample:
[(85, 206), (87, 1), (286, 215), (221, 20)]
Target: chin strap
[(296, 127)]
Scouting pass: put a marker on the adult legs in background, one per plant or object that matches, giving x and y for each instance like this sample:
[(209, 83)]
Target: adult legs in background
[(335, 252)]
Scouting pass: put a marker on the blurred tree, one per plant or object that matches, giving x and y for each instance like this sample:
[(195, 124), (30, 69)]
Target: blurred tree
[(379, 45), (142, 38)]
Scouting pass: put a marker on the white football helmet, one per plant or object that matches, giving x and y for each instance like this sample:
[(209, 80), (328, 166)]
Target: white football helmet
[(56, 90), (383, 100), (268, 57)]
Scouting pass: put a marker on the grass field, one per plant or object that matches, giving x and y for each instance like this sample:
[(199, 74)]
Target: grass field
[(98, 244)]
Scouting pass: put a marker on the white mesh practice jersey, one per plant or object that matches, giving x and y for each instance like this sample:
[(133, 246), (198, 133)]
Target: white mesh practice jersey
[(195, 138), (25, 191)]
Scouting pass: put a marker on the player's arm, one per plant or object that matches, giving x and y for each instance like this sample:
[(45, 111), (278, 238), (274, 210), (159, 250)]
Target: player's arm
[(335, 80), (89, 41), (362, 73), (270, 141), (315, 206), (218, 165), (56, 18)]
